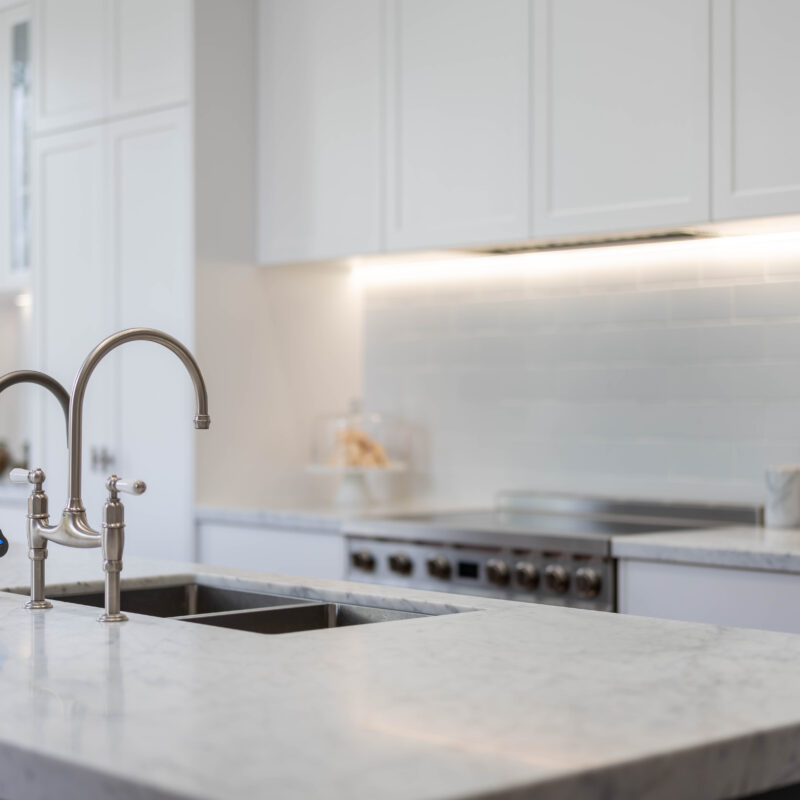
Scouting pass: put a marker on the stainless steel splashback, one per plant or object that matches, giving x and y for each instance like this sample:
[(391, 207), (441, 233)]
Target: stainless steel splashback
[(671, 513)]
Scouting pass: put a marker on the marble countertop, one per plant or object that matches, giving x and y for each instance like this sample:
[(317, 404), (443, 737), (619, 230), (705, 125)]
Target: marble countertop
[(508, 700), (317, 518), (747, 547)]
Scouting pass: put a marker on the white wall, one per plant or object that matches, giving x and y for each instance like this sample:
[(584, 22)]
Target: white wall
[(278, 348), (665, 370)]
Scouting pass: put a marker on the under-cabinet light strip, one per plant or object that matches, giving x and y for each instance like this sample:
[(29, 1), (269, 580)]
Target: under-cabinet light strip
[(494, 267)]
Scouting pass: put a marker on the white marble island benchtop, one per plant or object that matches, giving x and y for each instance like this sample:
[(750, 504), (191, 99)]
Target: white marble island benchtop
[(507, 701)]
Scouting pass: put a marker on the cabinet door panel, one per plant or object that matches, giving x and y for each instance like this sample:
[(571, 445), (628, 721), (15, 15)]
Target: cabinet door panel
[(457, 122), (150, 54), (75, 300), (70, 55), (620, 104), (756, 108), (150, 167), (307, 554), (320, 128), (742, 598)]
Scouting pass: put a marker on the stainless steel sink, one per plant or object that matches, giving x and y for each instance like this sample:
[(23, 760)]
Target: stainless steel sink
[(244, 610), (307, 617), (184, 599)]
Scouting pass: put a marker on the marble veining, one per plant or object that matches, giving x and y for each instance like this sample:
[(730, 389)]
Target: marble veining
[(507, 701), (776, 549)]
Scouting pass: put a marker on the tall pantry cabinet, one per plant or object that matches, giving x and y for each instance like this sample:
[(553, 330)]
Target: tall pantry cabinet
[(115, 123)]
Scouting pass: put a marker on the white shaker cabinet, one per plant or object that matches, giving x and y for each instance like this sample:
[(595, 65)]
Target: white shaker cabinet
[(320, 144), (113, 249), (742, 598), (151, 242), (756, 108), (620, 107), (457, 112), (70, 59), (305, 553), (75, 303), (96, 59), (150, 54)]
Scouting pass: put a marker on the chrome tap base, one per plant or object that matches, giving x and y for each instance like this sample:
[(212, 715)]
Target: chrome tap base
[(118, 617), (38, 604)]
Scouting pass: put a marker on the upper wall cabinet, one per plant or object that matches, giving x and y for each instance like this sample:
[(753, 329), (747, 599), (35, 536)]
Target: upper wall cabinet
[(150, 54), (457, 111), (417, 124), (95, 59), (70, 62), (621, 135), (756, 112), (320, 129)]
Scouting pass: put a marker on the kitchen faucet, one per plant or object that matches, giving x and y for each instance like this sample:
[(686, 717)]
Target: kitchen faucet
[(73, 530), (38, 553)]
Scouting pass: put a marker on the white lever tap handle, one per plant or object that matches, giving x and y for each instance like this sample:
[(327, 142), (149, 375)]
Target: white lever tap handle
[(34, 476), (124, 485), (18, 475)]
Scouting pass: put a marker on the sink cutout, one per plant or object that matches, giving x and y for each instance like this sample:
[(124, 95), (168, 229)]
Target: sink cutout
[(184, 599), (308, 617), (244, 610)]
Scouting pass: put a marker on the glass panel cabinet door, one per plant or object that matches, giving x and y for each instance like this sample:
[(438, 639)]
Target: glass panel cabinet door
[(19, 146), (15, 142)]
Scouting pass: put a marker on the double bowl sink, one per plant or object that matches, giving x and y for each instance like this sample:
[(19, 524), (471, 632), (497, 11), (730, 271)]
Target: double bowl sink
[(251, 610)]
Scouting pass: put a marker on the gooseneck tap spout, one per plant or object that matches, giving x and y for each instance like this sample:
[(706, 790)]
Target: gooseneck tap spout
[(40, 379), (201, 419)]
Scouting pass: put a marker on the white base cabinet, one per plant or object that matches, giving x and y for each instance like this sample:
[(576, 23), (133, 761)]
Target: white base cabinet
[(742, 598), (305, 553)]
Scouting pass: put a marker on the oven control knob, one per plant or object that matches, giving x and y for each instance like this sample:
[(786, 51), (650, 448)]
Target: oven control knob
[(497, 572), (527, 575), (587, 582), (400, 563), (556, 578), (363, 559), (439, 567)]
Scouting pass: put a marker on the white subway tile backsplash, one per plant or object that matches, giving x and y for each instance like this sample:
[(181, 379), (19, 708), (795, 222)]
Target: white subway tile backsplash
[(781, 422), (782, 340), (674, 378), (701, 304), (767, 300), (581, 310), (641, 308)]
